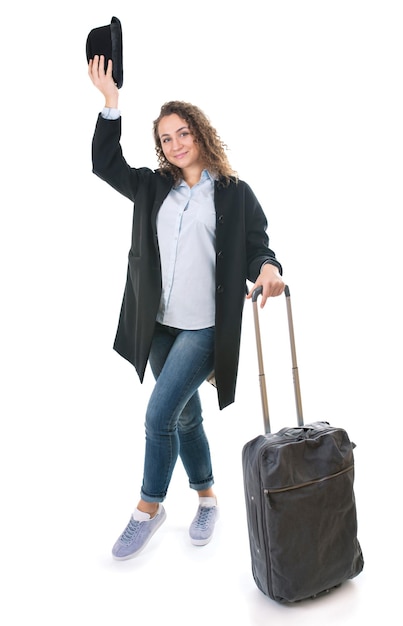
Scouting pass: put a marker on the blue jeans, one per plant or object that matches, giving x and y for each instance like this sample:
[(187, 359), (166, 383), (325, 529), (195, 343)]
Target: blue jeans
[(180, 361)]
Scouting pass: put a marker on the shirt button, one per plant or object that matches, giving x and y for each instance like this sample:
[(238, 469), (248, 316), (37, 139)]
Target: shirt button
[(220, 255), (221, 219), (220, 289)]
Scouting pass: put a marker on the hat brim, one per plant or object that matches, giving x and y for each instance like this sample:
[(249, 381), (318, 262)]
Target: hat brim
[(117, 51)]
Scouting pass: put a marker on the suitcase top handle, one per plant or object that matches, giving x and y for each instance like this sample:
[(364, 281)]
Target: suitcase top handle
[(297, 390)]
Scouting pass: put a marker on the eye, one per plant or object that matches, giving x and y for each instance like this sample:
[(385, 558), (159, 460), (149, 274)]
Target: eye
[(166, 139), (185, 133)]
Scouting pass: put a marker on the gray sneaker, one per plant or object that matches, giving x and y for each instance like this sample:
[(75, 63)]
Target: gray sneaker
[(136, 535), (202, 528)]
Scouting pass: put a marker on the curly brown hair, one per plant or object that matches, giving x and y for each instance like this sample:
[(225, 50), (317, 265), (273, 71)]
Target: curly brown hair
[(212, 148)]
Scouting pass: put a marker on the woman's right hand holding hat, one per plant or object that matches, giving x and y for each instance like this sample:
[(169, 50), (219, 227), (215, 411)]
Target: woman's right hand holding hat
[(104, 80)]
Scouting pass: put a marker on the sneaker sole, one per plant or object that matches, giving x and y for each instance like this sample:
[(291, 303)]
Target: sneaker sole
[(201, 542), (133, 554)]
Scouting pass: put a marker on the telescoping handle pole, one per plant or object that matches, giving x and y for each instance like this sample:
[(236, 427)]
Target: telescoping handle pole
[(262, 380)]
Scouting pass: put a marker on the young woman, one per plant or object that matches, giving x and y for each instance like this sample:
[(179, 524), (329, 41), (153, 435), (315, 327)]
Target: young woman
[(198, 235)]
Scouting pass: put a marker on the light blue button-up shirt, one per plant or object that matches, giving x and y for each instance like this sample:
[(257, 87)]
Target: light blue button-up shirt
[(186, 226)]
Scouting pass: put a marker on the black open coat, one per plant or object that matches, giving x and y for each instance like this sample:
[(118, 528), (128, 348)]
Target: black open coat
[(241, 248)]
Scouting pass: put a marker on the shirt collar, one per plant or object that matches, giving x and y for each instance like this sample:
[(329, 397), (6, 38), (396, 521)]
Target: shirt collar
[(205, 175)]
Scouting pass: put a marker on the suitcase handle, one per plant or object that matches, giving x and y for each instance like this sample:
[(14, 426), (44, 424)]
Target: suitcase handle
[(262, 381)]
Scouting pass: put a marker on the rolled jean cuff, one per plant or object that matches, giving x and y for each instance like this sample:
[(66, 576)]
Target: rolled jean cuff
[(202, 486), (148, 498)]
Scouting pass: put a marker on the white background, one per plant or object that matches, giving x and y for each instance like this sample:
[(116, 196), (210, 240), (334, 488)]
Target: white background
[(308, 96)]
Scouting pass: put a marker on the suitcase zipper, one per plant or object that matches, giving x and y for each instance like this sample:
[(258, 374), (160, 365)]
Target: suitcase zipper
[(269, 492)]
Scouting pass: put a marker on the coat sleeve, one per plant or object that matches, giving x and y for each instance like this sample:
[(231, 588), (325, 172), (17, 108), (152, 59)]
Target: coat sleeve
[(108, 162), (257, 239)]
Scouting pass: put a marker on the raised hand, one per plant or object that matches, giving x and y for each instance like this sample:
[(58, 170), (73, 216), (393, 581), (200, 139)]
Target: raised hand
[(103, 80)]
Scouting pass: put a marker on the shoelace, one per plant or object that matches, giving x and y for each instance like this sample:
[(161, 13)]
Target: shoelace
[(204, 517), (130, 531)]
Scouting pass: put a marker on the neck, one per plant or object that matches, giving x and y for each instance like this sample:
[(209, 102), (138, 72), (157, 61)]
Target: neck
[(192, 175)]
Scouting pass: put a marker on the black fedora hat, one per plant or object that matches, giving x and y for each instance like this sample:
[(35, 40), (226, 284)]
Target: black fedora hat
[(107, 40)]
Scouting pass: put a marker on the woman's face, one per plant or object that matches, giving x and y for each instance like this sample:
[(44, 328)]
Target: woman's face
[(178, 144)]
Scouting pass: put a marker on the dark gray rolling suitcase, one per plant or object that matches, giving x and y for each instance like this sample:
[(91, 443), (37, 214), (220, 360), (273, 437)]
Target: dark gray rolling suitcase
[(300, 502)]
